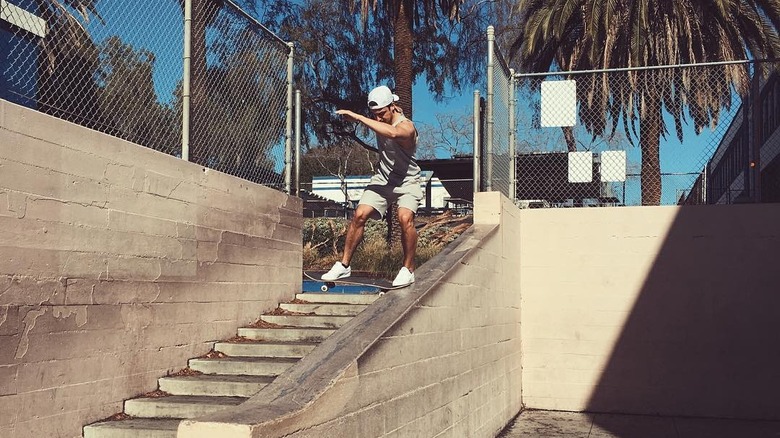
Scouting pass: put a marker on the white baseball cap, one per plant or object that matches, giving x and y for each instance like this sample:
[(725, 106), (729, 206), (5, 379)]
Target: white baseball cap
[(381, 97)]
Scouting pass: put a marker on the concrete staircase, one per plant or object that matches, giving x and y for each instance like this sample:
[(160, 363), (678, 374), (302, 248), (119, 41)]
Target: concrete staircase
[(234, 370)]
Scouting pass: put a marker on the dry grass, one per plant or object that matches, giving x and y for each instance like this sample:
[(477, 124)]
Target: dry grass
[(281, 312), (156, 394), (185, 372), (213, 354), (242, 340), (264, 324), (373, 256)]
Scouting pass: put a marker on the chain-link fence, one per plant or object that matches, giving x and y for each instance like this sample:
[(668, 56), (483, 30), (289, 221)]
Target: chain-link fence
[(499, 120), (121, 68), (622, 137), (693, 134)]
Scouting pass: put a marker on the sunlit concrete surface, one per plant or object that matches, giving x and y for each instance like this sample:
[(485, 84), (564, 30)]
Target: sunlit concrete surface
[(549, 424)]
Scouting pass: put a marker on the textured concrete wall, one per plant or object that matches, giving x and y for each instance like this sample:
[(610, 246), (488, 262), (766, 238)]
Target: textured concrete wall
[(652, 310), (117, 264), (450, 368)]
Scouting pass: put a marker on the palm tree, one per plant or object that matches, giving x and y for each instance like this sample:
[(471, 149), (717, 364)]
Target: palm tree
[(404, 15), (570, 35), (57, 14)]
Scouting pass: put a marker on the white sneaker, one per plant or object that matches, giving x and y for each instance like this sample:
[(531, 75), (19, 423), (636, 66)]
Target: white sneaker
[(405, 276), (337, 271)]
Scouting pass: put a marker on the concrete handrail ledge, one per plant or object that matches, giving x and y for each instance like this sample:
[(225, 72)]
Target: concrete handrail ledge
[(281, 407)]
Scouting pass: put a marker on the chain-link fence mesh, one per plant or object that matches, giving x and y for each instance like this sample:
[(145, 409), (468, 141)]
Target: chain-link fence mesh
[(496, 152), (632, 137), (117, 67), (98, 67), (695, 134), (239, 96)]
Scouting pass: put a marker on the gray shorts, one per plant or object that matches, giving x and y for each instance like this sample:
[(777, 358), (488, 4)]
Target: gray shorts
[(379, 196)]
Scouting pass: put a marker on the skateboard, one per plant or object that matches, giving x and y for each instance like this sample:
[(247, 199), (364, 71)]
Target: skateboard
[(382, 284)]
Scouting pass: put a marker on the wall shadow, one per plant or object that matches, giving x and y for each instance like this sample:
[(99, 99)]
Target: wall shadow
[(703, 337)]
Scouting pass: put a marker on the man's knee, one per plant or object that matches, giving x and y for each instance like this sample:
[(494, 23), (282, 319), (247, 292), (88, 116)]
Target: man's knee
[(405, 217), (361, 217), (358, 221)]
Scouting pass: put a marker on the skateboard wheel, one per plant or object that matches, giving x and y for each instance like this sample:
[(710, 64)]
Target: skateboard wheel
[(324, 288), (381, 293)]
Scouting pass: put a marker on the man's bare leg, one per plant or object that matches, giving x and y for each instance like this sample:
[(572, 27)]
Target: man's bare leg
[(408, 236), (355, 231)]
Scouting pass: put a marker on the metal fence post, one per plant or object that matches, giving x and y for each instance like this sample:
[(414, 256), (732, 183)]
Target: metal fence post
[(477, 145), (298, 142), (489, 112), (512, 141), (185, 83), (289, 127)]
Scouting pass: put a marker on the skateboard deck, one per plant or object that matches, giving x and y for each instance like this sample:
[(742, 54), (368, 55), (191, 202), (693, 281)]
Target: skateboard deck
[(382, 284)]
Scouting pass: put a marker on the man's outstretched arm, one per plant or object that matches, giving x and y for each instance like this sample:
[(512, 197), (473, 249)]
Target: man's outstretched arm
[(404, 132)]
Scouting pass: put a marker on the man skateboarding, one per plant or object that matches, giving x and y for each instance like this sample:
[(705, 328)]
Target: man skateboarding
[(397, 180)]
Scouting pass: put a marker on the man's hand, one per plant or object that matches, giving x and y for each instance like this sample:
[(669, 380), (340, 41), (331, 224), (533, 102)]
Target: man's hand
[(348, 114)]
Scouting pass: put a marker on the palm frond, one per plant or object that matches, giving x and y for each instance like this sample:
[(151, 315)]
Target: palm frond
[(594, 34)]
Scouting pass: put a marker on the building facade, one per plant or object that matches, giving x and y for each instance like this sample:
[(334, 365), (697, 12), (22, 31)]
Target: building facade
[(20, 31), (350, 191), (745, 167)]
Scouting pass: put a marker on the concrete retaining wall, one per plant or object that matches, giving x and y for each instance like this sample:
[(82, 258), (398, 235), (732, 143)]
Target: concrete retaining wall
[(117, 264), (645, 310), (450, 368), (439, 358), (652, 310)]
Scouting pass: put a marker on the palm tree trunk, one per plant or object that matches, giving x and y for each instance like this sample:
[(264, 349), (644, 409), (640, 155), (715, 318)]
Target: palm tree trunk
[(568, 135), (650, 134), (403, 50)]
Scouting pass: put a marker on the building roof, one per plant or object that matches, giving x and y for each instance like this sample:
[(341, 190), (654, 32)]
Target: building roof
[(455, 174)]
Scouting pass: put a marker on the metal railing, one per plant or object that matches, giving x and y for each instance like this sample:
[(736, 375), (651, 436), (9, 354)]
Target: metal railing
[(597, 138), (201, 80)]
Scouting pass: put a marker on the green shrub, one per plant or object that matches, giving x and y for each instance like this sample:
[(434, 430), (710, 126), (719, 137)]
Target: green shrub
[(322, 236)]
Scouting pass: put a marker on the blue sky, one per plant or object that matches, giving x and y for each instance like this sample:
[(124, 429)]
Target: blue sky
[(154, 26), (129, 20), (123, 19)]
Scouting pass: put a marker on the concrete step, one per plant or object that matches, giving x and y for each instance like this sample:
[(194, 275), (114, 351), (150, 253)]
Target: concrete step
[(313, 297), (325, 309), (248, 367), (283, 334), (265, 349), (214, 385), (133, 428), (307, 320), (178, 406), (244, 366)]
